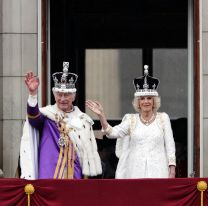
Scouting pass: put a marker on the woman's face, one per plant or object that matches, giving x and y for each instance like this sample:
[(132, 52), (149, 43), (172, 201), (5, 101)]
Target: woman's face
[(146, 103)]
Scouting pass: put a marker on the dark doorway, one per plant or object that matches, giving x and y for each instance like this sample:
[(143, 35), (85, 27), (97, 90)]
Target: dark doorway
[(77, 25)]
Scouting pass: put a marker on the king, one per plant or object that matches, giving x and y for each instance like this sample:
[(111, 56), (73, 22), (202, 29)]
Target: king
[(58, 140)]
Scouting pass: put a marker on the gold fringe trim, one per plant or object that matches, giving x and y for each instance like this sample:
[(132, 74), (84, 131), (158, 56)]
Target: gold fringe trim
[(71, 158), (58, 163), (33, 116), (63, 163)]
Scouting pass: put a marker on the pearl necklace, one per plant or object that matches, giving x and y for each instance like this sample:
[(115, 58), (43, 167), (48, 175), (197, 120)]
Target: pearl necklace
[(147, 122)]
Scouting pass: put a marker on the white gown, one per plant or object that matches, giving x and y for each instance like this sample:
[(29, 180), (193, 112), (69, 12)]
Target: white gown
[(148, 151)]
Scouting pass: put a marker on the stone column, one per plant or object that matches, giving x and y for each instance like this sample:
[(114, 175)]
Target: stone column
[(18, 54)]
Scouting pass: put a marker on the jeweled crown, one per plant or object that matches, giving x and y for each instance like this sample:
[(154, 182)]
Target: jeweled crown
[(64, 81), (146, 85)]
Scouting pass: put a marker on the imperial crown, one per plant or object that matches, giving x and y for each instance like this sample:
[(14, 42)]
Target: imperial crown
[(146, 85), (64, 81)]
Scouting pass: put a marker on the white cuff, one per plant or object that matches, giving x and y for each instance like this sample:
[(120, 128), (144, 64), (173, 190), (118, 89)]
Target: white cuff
[(32, 100), (107, 131), (172, 161)]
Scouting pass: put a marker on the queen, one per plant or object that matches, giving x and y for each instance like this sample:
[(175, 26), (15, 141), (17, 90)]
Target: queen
[(145, 144)]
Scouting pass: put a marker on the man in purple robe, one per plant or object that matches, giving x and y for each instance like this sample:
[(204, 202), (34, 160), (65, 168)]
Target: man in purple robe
[(58, 141)]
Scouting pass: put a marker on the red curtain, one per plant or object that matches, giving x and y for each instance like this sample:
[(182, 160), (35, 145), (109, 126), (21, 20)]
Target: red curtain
[(97, 192)]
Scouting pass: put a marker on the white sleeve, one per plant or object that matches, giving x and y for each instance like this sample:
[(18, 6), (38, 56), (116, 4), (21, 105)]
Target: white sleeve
[(32, 100), (120, 130), (169, 140)]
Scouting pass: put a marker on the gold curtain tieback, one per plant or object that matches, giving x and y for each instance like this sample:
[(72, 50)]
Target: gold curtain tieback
[(202, 186), (29, 190)]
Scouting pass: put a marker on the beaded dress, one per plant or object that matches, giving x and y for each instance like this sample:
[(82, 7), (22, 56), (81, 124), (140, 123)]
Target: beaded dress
[(150, 149)]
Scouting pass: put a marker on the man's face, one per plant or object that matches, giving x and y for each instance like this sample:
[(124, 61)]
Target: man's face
[(64, 100)]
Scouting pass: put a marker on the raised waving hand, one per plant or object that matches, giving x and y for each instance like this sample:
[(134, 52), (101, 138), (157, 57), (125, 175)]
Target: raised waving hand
[(32, 82), (97, 108)]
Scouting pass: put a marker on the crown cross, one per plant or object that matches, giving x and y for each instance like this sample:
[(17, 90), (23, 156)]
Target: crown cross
[(71, 81), (63, 79), (55, 80), (65, 66), (137, 86), (145, 86)]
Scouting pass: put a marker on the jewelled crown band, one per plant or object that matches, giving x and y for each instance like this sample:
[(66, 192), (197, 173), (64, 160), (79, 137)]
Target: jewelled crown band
[(64, 81), (146, 85)]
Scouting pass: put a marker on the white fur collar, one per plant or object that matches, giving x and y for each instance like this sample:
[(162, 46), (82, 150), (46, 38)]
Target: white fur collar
[(73, 118)]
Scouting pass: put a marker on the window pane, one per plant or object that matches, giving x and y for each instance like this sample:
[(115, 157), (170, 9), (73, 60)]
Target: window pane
[(171, 67), (109, 79)]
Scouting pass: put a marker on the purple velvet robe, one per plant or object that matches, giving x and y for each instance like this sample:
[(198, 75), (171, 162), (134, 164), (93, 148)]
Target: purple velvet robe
[(48, 146)]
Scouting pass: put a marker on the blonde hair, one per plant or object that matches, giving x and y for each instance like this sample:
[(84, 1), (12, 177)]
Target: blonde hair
[(156, 104)]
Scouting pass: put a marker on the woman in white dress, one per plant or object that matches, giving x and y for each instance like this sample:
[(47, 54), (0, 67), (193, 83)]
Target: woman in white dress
[(145, 144)]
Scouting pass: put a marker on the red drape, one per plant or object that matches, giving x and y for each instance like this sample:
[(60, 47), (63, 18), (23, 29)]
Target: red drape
[(144, 192)]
